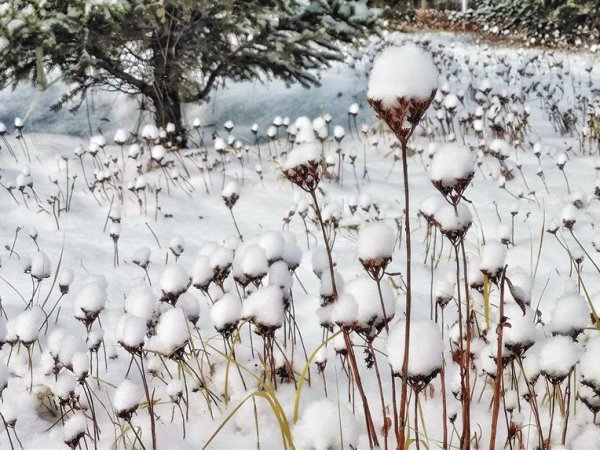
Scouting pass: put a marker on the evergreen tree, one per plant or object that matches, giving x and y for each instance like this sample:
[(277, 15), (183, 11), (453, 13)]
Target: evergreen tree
[(173, 52)]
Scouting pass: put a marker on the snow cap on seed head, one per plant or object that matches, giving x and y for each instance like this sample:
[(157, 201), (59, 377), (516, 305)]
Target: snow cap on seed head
[(402, 72)]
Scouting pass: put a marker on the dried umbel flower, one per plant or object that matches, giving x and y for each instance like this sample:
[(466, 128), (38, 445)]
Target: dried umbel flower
[(454, 222), (303, 166), (452, 170), (404, 118), (230, 194), (402, 85)]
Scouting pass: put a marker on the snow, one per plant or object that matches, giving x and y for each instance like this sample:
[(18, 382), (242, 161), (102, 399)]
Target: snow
[(172, 330), (376, 240), (493, 258), (345, 310), (558, 355), (91, 298), (325, 425), (127, 397), (265, 307), (131, 331), (450, 220), (74, 429), (589, 367), (451, 163), (425, 347), (570, 315), (204, 223), (231, 189), (364, 290), (141, 301), (402, 72), (40, 266), (301, 155), (27, 325), (522, 332), (226, 311), (174, 280)]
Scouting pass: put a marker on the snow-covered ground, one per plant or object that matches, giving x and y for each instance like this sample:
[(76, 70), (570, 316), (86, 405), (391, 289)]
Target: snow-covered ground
[(534, 178)]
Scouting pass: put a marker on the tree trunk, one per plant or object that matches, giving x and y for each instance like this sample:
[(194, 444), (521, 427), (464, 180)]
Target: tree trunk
[(168, 109)]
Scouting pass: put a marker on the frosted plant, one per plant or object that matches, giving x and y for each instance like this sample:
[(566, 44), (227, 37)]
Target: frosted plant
[(174, 281), (74, 429), (425, 359)]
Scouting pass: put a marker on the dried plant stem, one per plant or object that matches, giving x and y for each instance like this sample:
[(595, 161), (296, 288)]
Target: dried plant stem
[(408, 281), (373, 441), (498, 379)]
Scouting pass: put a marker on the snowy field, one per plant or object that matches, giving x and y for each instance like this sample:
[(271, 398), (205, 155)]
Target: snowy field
[(100, 240)]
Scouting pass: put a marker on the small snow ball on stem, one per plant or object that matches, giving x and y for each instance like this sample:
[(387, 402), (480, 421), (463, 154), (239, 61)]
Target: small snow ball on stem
[(558, 356), (452, 170), (265, 309), (492, 261), (402, 85), (571, 315), (425, 352), (65, 280), (303, 166), (140, 301), (127, 399), (74, 429), (376, 242), (453, 221), (225, 314), (90, 300), (172, 333), (174, 281)]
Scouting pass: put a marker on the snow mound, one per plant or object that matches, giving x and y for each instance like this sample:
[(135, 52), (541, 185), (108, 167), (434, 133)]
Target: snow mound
[(325, 425)]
